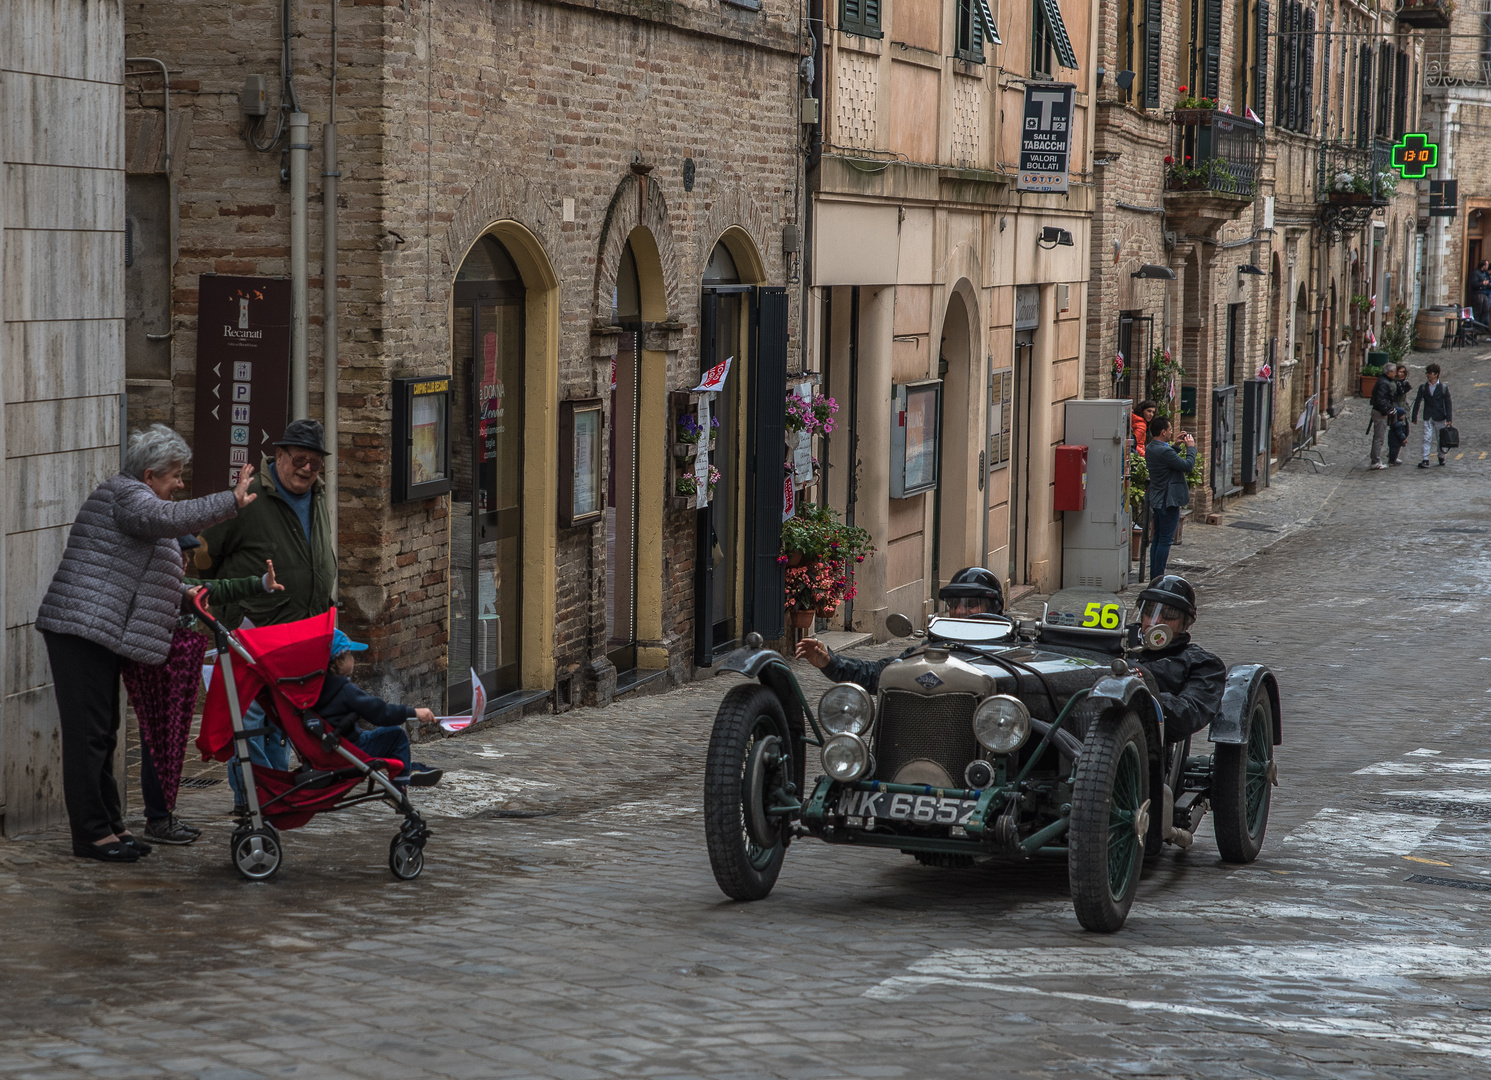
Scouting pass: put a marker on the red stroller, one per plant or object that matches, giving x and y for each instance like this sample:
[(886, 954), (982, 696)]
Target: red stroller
[(282, 667)]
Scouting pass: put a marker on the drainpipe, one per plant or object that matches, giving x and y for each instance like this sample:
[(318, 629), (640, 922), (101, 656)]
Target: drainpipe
[(299, 383), (329, 363)]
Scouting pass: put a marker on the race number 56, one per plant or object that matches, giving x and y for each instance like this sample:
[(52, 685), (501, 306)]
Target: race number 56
[(1101, 615)]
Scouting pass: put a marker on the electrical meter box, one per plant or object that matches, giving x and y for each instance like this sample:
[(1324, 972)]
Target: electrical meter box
[(1095, 539), (1071, 478)]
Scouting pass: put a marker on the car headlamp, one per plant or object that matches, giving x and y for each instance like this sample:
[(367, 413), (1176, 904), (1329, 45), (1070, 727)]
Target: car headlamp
[(1001, 724), (846, 707), (845, 757)]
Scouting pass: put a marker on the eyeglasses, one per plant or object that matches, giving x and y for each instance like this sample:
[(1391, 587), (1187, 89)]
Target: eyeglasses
[(310, 462)]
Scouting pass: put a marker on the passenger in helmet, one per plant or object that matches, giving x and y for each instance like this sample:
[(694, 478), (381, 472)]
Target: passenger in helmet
[(972, 592), (1187, 680)]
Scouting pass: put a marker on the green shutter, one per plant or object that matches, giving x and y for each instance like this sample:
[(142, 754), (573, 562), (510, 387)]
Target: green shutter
[(1211, 50), (1260, 69), (1153, 43), (860, 17), (986, 17), (1056, 30)]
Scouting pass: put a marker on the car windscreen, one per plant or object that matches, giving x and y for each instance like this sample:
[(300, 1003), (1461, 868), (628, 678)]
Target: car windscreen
[(977, 632)]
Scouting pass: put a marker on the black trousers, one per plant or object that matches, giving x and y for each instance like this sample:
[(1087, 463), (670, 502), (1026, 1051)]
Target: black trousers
[(85, 677), (150, 789)]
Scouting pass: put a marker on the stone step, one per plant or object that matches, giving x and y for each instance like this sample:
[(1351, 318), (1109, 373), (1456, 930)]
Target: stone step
[(839, 640)]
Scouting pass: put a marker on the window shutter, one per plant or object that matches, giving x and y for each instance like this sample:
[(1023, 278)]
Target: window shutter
[(1153, 43), (1364, 98), (1211, 50), (1306, 116), (1400, 99), (1281, 91), (850, 14), (1260, 70), (975, 28), (1056, 31), (766, 587), (860, 17), (986, 17), (872, 15), (1325, 85), (703, 548)]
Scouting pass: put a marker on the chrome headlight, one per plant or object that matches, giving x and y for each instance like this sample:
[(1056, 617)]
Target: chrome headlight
[(846, 757), (846, 707), (1001, 723)]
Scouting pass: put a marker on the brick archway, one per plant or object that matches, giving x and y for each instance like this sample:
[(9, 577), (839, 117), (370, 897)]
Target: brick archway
[(496, 197), (638, 202)]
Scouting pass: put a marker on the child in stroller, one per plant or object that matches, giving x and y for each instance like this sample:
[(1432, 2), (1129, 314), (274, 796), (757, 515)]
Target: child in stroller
[(342, 703)]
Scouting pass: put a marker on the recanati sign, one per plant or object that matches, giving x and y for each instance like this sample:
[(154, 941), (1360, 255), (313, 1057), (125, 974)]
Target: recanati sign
[(1046, 137)]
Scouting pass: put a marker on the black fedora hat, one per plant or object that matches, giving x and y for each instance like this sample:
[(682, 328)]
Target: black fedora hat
[(306, 434)]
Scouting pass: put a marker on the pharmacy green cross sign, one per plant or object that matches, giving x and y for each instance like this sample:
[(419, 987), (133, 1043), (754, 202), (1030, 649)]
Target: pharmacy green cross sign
[(1414, 155)]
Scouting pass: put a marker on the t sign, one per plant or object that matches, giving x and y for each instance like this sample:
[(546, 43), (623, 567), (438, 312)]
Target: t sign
[(1414, 155)]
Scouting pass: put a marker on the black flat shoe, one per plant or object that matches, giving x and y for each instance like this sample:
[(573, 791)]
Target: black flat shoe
[(138, 844), (119, 851)]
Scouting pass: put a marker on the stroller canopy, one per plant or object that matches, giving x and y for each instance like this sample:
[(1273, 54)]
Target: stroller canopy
[(298, 651)]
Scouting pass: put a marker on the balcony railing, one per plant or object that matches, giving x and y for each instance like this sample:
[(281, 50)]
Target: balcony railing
[(1352, 175), (1457, 67), (1425, 14), (1215, 152)]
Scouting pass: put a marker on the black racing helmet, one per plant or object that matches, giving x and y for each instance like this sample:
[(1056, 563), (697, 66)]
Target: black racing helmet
[(975, 582), (1172, 590)]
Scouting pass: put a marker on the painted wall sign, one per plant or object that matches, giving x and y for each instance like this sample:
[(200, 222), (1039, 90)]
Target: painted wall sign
[(1414, 154), (1046, 137), (243, 376)]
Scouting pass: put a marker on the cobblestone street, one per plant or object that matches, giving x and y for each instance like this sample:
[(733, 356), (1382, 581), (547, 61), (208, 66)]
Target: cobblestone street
[(567, 924)]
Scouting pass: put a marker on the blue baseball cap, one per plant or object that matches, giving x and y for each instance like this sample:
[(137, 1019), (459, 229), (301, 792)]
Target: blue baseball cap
[(341, 643)]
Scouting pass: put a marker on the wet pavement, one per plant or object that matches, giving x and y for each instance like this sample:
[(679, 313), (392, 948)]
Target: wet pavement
[(593, 942)]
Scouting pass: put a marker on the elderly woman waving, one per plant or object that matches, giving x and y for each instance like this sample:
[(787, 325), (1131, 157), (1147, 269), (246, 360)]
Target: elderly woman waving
[(116, 598)]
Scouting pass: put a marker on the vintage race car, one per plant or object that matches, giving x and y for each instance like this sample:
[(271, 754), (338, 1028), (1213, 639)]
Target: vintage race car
[(989, 738)]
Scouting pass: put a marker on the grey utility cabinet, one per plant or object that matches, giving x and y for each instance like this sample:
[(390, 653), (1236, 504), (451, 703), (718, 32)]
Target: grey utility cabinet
[(1095, 541)]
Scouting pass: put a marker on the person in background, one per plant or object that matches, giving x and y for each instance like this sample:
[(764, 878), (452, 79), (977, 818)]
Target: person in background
[(1139, 420), (116, 597), (165, 697), (1382, 413), (1168, 490), (289, 525), (1434, 397), (1397, 434), (1402, 387), (1480, 292)]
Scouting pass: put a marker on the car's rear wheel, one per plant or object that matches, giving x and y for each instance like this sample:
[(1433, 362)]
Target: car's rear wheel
[(748, 751), (1110, 815), (1242, 784)]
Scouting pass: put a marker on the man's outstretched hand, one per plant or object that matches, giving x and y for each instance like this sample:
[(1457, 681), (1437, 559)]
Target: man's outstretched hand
[(814, 652)]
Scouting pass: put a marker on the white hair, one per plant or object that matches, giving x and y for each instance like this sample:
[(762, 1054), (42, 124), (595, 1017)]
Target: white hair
[(156, 450)]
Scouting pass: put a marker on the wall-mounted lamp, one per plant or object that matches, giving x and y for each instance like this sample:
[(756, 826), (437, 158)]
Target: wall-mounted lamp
[(1124, 79), (1250, 269), (1052, 237), (1101, 72), (1154, 272)]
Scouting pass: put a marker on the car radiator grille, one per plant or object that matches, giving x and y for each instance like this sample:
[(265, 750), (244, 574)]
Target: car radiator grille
[(938, 728)]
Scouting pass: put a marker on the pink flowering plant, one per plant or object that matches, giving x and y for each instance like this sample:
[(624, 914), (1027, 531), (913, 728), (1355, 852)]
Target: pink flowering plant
[(820, 586), (829, 550), (814, 415)]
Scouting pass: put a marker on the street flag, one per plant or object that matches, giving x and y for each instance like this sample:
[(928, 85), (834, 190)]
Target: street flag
[(1253, 116), (453, 724), (714, 378)]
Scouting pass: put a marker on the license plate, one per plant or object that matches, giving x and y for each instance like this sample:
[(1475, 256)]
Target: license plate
[(899, 806)]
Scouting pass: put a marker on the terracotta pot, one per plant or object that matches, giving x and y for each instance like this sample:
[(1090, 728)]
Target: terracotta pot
[(801, 620), (794, 558), (1353, 198), (1368, 382), (828, 613), (1136, 541)]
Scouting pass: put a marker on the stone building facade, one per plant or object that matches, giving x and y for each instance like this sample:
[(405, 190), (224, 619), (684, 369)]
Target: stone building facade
[(929, 266), (62, 239), (1457, 115), (1240, 203), (531, 198)]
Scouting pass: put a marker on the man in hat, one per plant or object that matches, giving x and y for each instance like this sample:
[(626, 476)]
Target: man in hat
[(287, 524)]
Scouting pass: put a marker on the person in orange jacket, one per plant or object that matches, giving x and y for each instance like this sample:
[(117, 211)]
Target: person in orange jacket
[(1143, 413)]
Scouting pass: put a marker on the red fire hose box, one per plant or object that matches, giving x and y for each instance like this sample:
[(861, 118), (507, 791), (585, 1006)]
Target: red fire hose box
[(1071, 477)]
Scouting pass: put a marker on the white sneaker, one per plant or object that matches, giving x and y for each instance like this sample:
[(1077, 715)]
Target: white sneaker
[(1379, 465)]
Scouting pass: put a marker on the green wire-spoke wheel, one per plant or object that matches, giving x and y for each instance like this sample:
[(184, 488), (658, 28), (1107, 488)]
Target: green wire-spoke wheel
[(1110, 815), (1242, 784), (748, 750)]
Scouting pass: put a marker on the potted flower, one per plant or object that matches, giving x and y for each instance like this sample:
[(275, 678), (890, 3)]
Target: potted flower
[(1347, 186), (1192, 111), (816, 591), (815, 533), (688, 433), (813, 415)]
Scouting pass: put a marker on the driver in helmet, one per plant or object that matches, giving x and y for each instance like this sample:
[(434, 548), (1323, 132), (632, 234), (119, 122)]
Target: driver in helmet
[(1188, 681), (972, 592)]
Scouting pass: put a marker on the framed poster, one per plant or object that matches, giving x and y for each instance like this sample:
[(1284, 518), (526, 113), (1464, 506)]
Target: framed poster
[(580, 492), (421, 438), (915, 437)]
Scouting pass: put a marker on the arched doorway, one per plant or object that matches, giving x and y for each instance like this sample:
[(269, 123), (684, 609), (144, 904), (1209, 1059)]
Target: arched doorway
[(723, 337), (956, 520), (504, 495), (487, 464)]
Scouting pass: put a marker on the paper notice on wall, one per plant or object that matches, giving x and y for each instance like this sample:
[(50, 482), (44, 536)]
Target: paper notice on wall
[(701, 461), (453, 724), (789, 499), (802, 459)]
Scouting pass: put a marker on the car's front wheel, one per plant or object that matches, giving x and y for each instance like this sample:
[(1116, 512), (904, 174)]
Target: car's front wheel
[(1110, 815), (748, 760), (1242, 784)]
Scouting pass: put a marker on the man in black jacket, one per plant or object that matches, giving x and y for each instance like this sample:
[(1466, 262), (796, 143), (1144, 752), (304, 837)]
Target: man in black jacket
[(343, 703), (1439, 411), (1188, 681), (1382, 412)]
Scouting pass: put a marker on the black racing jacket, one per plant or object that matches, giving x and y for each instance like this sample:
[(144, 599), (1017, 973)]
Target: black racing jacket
[(1188, 682)]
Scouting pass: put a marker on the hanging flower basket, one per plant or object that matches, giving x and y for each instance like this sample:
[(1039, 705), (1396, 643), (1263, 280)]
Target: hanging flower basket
[(801, 620)]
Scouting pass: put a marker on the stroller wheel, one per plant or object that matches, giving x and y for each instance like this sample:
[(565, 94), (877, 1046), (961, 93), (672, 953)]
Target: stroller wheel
[(256, 852), (406, 858)]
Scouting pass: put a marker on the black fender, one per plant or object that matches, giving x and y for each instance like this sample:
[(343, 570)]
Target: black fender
[(770, 668), (1130, 692), (1231, 723)]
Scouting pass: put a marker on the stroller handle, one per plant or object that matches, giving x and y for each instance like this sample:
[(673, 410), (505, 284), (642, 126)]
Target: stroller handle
[(221, 633)]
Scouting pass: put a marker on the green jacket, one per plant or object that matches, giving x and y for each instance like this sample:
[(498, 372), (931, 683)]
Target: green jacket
[(269, 529)]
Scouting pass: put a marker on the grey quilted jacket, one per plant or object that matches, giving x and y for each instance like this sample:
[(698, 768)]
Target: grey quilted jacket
[(119, 584)]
